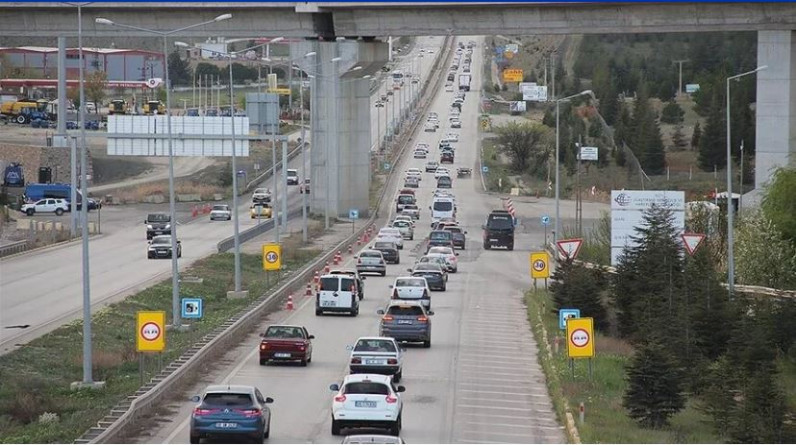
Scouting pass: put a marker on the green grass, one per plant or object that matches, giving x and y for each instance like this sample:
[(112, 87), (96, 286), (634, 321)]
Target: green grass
[(497, 179), (606, 420), (35, 379)]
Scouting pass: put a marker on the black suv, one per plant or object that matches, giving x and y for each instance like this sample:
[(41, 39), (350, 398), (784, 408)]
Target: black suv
[(157, 224), (499, 230)]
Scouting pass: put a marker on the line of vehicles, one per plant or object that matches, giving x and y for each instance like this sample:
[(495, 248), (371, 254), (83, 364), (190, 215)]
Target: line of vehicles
[(52, 198)]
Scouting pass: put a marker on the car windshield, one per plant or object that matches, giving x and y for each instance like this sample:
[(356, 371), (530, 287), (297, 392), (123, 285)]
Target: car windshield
[(366, 388), (440, 235), (370, 254), (284, 332), (444, 180), (410, 207), (401, 223), (161, 241), (157, 217), (500, 222), (228, 399), (374, 345), (405, 310), (220, 207), (406, 199), (261, 191), (384, 246), (410, 282), (292, 172), (443, 206), (453, 229), (431, 259)]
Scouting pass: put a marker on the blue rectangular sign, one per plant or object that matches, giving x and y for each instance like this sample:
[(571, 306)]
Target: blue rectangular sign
[(353, 214), (564, 314), (191, 308)]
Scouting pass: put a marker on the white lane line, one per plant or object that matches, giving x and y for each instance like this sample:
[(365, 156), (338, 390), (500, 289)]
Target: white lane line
[(501, 408), (491, 366), (477, 441), (524, 394), (524, 402), (485, 357), (513, 425), (488, 373), (505, 416), (497, 341), (517, 348), (518, 361), (495, 433)]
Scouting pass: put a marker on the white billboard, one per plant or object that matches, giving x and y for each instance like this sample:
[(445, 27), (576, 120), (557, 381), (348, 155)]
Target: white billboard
[(627, 209), (517, 106), (533, 92), (128, 135)]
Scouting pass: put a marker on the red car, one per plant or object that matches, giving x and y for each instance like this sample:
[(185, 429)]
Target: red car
[(286, 343)]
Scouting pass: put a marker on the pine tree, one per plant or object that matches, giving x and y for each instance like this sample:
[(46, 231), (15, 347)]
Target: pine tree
[(645, 135), (654, 391), (695, 137), (672, 113), (610, 105), (575, 286), (712, 144), (678, 138)]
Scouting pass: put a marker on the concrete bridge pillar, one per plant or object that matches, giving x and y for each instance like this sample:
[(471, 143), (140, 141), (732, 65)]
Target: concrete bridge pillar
[(340, 121), (776, 104)]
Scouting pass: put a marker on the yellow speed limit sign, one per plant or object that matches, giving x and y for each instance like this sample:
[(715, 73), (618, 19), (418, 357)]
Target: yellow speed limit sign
[(150, 331), (580, 337), (272, 256), (540, 265)]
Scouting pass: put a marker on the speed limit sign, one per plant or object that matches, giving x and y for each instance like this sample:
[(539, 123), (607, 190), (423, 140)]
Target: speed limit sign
[(540, 265)]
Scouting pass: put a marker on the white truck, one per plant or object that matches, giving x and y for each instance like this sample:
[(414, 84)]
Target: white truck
[(464, 82)]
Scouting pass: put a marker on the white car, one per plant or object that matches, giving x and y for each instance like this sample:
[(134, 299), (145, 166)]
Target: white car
[(261, 195), (415, 172), (422, 147), (407, 228), (448, 88), (48, 205), (430, 127), (441, 171), (450, 256), (404, 217), (435, 258), (448, 139), (220, 211), (412, 288), (432, 166), (391, 234), (367, 401), (376, 355), (420, 154), (456, 123), (411, 210), (292, 176), (452, 137)]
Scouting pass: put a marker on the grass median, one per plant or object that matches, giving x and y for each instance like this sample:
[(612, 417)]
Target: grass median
[(606, 421), (35, 379)]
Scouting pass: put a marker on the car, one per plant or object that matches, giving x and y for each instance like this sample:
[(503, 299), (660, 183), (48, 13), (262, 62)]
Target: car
[(157, 224), (444, 182), (406, 228), (376, 355), (433, 120), (407, 218), (338, 293), (160, 247), (421, 147), (224, 411), (434, 258), (371, 260), (449, 88), (450, 256), (406, 321), (389, 250), (441, 238), (433, 115), (436, 276), (452, 137), (292, 176), (412, 210), (220, 211), (499, 230), (261, 210), (431, 166), (372, 439), (48, 205), (360, 280), (459, 236), (441, 223), (404, 198), (391, 234), (286, 343), (412, 182), (305, 187), (441, 171), (420, 154), (430, 127), (367, 401), (261, 195), (412, 288), (416, 172), (379, 104)]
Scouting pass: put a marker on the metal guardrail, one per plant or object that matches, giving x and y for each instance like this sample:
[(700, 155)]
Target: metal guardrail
[(216, 342), (11, 249), (254, 231)]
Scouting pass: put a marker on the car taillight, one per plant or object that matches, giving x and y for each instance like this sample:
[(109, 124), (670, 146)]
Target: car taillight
[(340, 398), (301, 346), (264, 346), (387, 318), (392, 361), (391, 399), (356, 360), (422, 318), (203, 411), (249, 412)]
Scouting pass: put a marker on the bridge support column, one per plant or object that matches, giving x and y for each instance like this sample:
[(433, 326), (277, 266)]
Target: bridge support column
[(776, 104)]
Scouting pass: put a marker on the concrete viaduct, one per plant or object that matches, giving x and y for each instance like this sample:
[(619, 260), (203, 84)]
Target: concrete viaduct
[(364, 24)]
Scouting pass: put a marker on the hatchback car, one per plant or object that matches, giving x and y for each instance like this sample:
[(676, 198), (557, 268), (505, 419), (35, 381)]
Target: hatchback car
[(406, 321), (371, 260), (367, 401), (225, 411), (260, 210), (406, 228), (376, 355), (439, 238)]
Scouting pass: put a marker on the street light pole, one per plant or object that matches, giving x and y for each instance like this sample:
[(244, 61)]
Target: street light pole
[(730, 222), (235, 210)]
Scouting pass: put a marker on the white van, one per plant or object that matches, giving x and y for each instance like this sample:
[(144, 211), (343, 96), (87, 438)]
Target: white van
[(338, 293), (442, 207)]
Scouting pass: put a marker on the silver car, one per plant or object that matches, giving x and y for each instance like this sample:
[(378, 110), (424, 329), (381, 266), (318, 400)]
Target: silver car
[(376, 355), (371, 261), (406, 229)]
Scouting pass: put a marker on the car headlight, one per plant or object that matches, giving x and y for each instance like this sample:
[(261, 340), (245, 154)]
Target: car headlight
[(149, 226), (168, 226)]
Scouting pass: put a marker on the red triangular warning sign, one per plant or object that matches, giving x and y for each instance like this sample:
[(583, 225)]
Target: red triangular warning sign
[(691, 241), (569, 247)]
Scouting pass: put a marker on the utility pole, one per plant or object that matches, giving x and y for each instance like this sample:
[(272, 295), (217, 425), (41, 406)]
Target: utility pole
[(680, 87)]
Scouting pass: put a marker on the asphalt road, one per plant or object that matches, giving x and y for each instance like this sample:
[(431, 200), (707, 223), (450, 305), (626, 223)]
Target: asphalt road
[(480, 382)]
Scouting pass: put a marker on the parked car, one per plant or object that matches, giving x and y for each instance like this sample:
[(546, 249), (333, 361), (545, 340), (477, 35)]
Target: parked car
[(367, 401), (160, 247), (49, 205), (406, 321), (376, 355), (220, 211), (286, 343), (225, 411)]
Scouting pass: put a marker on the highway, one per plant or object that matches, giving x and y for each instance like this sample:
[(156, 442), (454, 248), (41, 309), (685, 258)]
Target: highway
[(480, 382), (43, 289)]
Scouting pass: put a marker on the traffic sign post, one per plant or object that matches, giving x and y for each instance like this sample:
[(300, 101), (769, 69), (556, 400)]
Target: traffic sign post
[(545, 223), (150, 335), (540, 267), (272, 260), (580, 341), (569, 247), (692, 241), (353, 215)]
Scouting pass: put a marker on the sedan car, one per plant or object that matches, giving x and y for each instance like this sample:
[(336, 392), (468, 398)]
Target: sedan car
[(431, 166), (371, 260), (261, 195), (412, 289), (286, 343), (444, 182), (456, 123), (420, 154), (459, 236), (430, 127), (388, 250), (439, 238), (435, 275), (367, 401), (436, 258), (391, 234), (220, 211), (160, 247), (406, 321), (441, 171), (406, 228), (412, 210), (376, 355), (449, 253), (412, 182), (225, 411)]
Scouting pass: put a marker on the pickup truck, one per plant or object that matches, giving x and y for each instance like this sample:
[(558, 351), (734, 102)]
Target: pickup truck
[(286, 343)]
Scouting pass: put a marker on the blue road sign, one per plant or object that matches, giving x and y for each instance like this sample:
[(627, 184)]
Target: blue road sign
[(191, 308), (564, 314), (545, 220), (353, 214), (386, 165), (485, 169)]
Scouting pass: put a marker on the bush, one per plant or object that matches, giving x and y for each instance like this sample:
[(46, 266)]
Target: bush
[(654, 391)]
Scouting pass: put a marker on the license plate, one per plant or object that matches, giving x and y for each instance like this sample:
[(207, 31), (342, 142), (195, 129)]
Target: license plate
[(374, 362), (404, 321), (328, 303), (282, 355), (364, 404), (226, 425)]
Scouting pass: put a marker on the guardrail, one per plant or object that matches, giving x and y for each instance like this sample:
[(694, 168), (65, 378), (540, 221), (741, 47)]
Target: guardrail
[(220, 340), (11, 249), (254, 231), (742, 288)]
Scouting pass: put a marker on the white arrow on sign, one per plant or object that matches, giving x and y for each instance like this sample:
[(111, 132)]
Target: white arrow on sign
[(692, 241), (570, 247), (154, 82)]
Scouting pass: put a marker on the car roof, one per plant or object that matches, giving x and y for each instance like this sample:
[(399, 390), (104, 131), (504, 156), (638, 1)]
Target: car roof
[(405, 302), (285, 326), (343, 272), (229, 388), (386, 379)]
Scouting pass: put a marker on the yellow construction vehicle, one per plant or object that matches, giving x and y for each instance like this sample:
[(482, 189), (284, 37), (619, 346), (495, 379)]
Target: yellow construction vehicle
[(153, 106), (118, 106), (23, 111)]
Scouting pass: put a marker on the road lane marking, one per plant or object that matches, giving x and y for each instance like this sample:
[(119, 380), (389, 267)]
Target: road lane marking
[(525, 394), (514, 425)]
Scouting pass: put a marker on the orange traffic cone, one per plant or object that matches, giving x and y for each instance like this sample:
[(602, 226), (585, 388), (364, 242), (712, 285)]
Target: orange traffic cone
[(308, 292), (327, 268), (350, 249), (289, 303)]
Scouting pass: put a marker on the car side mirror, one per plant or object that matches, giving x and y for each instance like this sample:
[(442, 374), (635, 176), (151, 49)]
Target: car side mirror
[(262, 334), (457, 253), (269, 400), (409, 270), (363, 278), (334, 387), (349, 348), (311, 337), (430, 312), (390, 286), (483, 226), (196, 399), (400, 388), (380, 312)]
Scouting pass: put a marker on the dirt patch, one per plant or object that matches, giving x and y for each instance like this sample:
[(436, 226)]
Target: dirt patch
[(118, 168)]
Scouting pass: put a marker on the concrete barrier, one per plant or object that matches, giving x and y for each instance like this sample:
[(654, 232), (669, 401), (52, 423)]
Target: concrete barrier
[(155, 199), (189, 197)]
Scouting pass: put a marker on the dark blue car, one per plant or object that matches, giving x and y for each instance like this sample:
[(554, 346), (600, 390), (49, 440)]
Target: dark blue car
[(226, 411)]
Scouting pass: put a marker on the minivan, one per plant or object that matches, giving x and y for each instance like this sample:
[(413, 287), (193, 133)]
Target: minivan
[(442, 207), (338, 293)]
